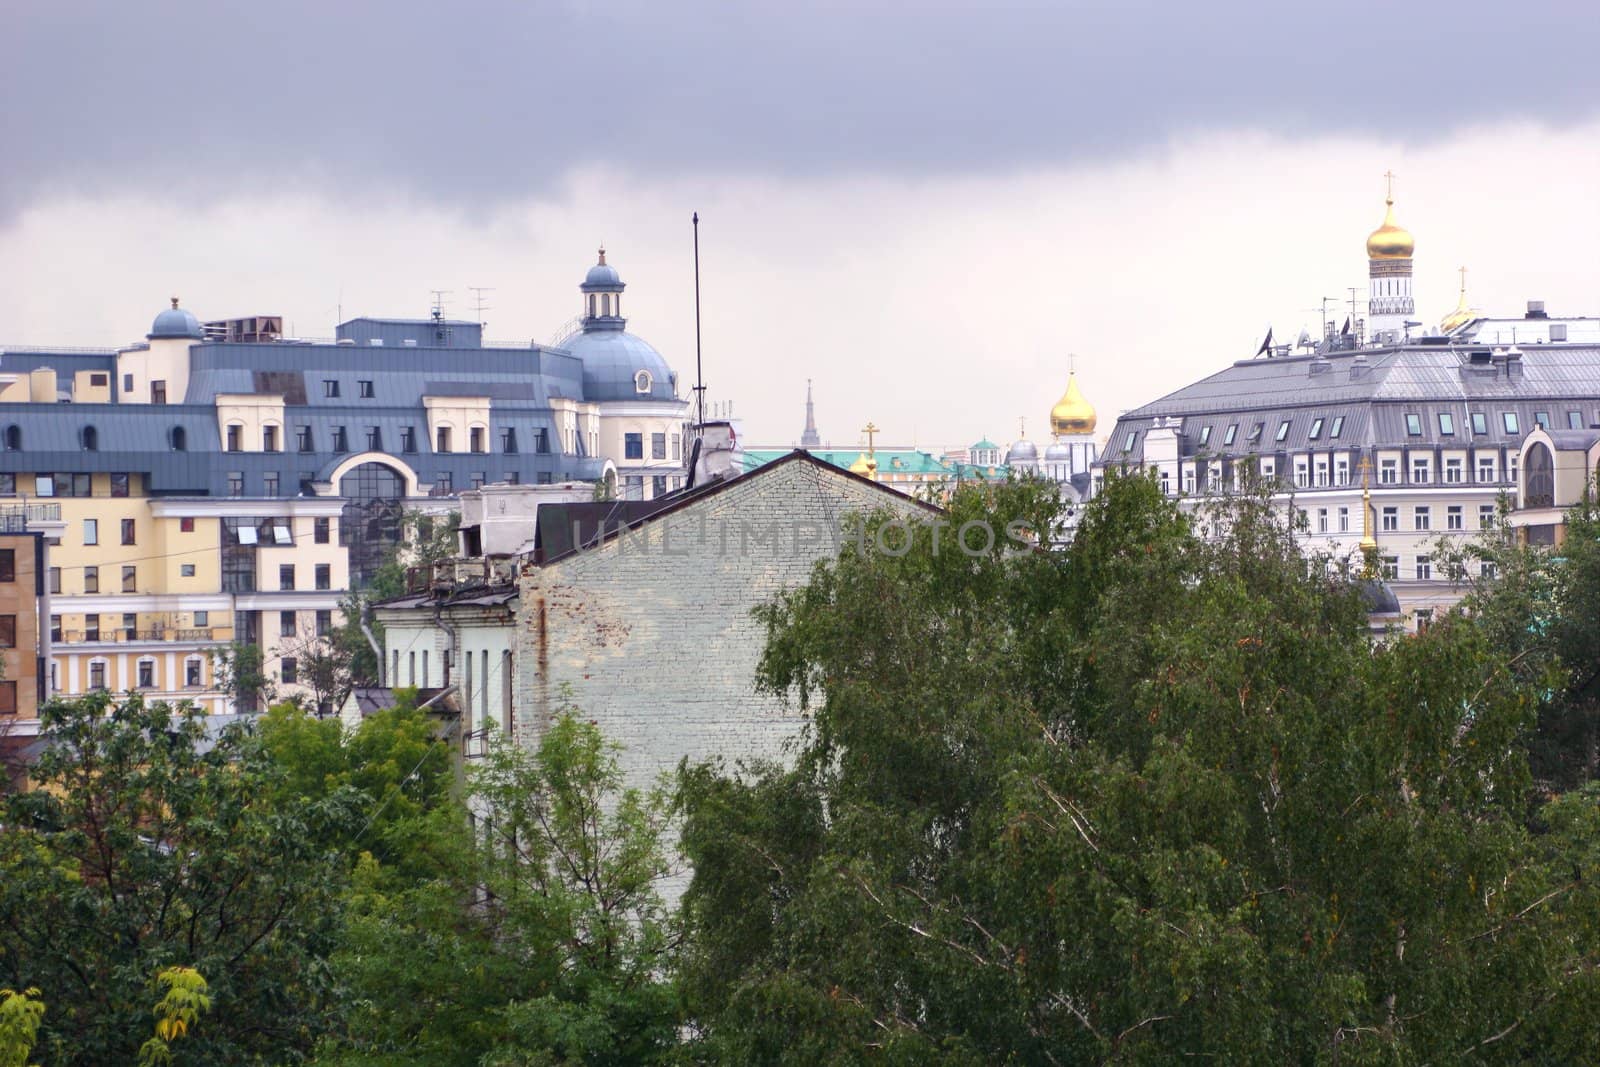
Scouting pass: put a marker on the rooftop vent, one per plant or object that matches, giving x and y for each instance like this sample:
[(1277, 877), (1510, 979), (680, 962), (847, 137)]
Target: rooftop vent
[(375, 342), (1536, 310), (1478, 355), (409, 342), (346, 341), (1558, 331)]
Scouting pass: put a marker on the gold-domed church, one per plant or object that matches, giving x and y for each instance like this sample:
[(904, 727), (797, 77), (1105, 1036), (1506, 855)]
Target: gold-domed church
[(1389, 251), (1072, 452)]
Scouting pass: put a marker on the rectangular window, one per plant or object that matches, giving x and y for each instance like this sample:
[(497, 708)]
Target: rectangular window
[(8, 483), (476, 478), (475, 439), (302, 438), (119, 484), (1542, 419), (55, 575), (324, 576), (1486, 568), (1447, 424), (91, 632), (289, 670), (130, 579), (8, 631), (55, 628), (127, 531), (186, 570), (130, 625), (658, 446), (1341, 470), (1421, 471), (677, 444), (1129, 441), (1233, 432), (541, 441), (1255, 431), (1388, 471), (1485, 516), (97, 670), (236, 483), (1480, 422), (1322, 520), (511, 478), (322, 530), (408, 439), (1509, 420), (633, 487), (100, 380), (443, 483), (8, 698), (364, 389), (330, 387), (1391, 518), (1302, 473), (658, 485), (1414, 425), (324, 622), (285, 576), (269, 438), (1424, 568), (91, 531), (543, 478), (91, 579), (341, 439), (1453, 518), (1453, 470), (147, 674), (1391, 568), (441, 439), (1188, 481), (1322, 470), (202, 618), (633, 446), (235, 438), (1344, 520), (286, 624), (1574, 420), (1315, 431), (374, 439), (1283, 430), (191, 673), (1422, 517), (186, 524), (269, 483), (1485, 468), (508, 441), (44, 485), (1511, 467), (1338, 426)]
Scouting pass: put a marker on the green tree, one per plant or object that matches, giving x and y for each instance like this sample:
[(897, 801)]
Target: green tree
[(148, 840), (239, 669), (1149, 797), (539, 938)]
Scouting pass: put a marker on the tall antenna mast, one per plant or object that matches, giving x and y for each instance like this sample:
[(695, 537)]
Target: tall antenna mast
[(699, 376), (479, 306)]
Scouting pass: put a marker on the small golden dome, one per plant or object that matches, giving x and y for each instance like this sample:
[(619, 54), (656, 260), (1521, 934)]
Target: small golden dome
[(1391, 240), (865, 464), (1462, 314), (1072, 413)]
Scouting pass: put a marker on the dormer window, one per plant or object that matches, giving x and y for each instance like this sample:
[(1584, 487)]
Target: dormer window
[(91, 439), (13, 438), (180, 439), (641, 382)]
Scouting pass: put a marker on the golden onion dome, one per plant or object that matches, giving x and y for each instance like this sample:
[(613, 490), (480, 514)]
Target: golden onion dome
[(1072, 413), (1459, 317), (865, 464), (1391, 240)]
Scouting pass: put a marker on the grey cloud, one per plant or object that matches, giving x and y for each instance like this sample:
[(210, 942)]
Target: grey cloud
[(474, 102)]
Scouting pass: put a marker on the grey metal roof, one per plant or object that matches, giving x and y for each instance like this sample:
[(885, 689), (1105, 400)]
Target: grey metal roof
[(1376, 391)]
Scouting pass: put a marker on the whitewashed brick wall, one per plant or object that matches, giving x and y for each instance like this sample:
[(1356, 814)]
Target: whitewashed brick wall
[(651, 635)]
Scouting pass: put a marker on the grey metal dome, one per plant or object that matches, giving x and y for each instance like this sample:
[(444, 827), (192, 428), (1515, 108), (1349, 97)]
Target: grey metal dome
[(1057, 452), (175, 322), (1023, 451), (612, 360), (602, 277)]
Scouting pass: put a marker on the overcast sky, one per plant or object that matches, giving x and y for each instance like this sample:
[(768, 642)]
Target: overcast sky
[(924, 207)]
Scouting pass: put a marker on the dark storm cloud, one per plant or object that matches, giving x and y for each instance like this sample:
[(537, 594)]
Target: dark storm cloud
[(472, 102)]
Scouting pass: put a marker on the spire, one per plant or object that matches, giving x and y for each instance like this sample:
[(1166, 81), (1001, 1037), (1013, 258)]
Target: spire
[(810, 438)]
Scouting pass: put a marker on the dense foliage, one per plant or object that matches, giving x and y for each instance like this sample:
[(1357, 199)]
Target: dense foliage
[(1153, 797), (1148, 798)]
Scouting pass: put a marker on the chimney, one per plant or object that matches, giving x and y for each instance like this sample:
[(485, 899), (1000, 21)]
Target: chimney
[(1536, 310)]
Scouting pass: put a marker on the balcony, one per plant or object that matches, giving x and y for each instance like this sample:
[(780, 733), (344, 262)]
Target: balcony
[(205, 635)]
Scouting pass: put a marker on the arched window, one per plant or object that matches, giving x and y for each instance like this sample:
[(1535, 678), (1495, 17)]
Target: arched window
[(13, 438), (641, 382), (1539, 488), (369, 525), (90, 438), (180, 439)]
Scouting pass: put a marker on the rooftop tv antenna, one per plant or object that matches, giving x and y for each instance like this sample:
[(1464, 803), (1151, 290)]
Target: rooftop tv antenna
[(699, 376), (479, 305), (441, 333)]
